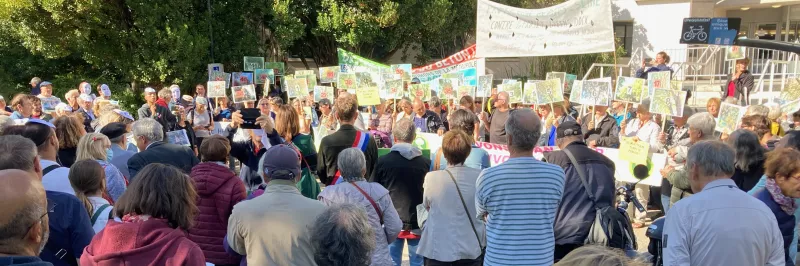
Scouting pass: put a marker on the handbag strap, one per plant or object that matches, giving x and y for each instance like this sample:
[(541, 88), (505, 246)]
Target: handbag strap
[(582, 174), (98, 212), (469, 216), (374, 205)]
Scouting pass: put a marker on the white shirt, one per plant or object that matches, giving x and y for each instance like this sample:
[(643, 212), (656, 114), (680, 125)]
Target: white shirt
[(647, 132), (56, 180), (102, 218), (722, 225)]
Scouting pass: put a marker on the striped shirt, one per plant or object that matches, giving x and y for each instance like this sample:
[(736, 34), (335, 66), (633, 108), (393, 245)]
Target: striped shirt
[(521, 197)]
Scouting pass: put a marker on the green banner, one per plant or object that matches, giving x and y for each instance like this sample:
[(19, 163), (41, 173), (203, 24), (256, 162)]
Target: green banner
[(351, 63)]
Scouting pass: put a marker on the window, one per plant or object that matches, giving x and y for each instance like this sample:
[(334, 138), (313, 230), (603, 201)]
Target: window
[(623, 31)]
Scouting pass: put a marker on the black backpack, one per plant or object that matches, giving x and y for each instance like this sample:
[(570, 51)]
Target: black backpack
[(611, 227)]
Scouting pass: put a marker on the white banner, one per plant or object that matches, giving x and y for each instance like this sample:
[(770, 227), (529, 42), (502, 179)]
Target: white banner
[(572, 27), (478, 64)]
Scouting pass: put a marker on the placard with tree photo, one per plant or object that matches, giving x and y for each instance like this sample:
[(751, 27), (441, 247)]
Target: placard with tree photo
[(668, 102), (246, 93)]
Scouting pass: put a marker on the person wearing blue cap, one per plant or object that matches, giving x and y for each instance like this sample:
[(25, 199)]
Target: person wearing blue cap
[(49, 101)]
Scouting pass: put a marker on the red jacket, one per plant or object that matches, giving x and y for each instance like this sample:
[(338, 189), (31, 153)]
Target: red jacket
[(162, 103), (218, 189), (151, 242)]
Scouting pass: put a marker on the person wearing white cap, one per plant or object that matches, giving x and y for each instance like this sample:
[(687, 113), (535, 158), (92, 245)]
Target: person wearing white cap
[(105, 92), (85, 102), (62, 109), (49, 101), (155, 111)]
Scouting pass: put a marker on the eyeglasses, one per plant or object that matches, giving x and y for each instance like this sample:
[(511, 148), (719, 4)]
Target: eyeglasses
[(51, 206)]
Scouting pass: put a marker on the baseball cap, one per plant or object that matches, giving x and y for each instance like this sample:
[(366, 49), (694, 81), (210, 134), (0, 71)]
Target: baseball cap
[(45, 83), (568, 129), (149, 90), (124, 114), (105, 90), (281, 162), (114, 130), (324, 101)]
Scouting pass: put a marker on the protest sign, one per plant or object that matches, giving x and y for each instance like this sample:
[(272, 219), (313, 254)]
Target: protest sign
[(629, 90), (245, 93), (561, 76), (323, 92), (792, 90), (348, 63), (364, 79), (790, 107), (468, 69), (668, 102), (215, 67), (572, 27), (393, 89), (304, 72), (221, 76), (296, 88), (220, 128), (633, 151), (347, 81), (576, 91), (178, 137), (529, 92), (447, 87), (455, 59), (675, 85), (484, 85), (570, 79), (278, 67), (307, 113), (657, 80), (734, 52), (729, 117), (549, 91), (420, 91), (465, 90), (242, 78), (368, 96), (311, 80), (216, 89), (514, 91), (596, 92), (404, 70), (49, 103), (251, 63), (262, 75), (328, 74)]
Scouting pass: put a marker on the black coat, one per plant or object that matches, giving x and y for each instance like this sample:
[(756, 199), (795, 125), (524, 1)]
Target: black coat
[(745, 80), (333, 144), (606, 133), (87, 121), (163, 116), (161, 152), (576, 212), (747, 180), (403, 178)]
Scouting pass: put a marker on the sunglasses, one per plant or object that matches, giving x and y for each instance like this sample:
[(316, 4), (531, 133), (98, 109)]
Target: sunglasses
[(51, 206)]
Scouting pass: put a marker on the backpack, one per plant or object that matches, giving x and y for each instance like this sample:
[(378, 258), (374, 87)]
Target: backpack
[(611, 228)]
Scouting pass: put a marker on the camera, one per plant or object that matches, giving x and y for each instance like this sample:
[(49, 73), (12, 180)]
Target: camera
[(249, 115)]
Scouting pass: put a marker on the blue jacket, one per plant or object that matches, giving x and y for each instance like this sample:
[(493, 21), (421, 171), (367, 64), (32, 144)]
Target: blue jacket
[(23, 261), (642, 74), (70, 230), (576, 212), (786, 222)]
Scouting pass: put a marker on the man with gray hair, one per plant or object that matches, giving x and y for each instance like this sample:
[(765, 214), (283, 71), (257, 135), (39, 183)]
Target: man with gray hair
[(495, 123), (435, 106), (23, 219), (35, 90), (721, 224), (281, 204), (342, 235), (700, 127), (402, 172), (522, 189), (149, 137)]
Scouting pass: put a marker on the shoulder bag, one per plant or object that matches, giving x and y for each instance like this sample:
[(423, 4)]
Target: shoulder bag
[(469, 216)]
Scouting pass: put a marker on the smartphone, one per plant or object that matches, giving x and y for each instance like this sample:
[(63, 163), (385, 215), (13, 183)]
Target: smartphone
[(249, 115)]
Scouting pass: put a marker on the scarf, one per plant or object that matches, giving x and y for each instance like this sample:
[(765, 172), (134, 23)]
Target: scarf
[(787, 204), (136, 218)]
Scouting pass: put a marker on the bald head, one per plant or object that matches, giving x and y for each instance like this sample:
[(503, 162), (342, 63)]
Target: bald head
[(502, 100), (418, 106), (523, 129), (24, 201)]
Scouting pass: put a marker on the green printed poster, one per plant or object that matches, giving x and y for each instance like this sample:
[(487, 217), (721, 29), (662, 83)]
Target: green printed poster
[(277, 66), (251, 63)]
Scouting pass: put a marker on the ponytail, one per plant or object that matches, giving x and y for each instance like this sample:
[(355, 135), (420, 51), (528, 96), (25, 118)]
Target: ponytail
[(87, 177)]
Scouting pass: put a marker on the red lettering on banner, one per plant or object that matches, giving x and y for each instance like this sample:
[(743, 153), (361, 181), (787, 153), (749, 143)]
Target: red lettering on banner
[(457, 58), (497, 159)]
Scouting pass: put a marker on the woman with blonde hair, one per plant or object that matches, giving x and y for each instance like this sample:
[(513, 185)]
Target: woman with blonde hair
[(96, 146), (305, 122), (69, 130), (740, 83), (712, 106), (88, 179)]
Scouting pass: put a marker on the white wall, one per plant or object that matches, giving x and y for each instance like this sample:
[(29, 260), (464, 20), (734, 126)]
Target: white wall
[(657, 24)]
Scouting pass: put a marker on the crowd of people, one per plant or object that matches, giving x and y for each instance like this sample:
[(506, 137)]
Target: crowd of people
[(86, 183)]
